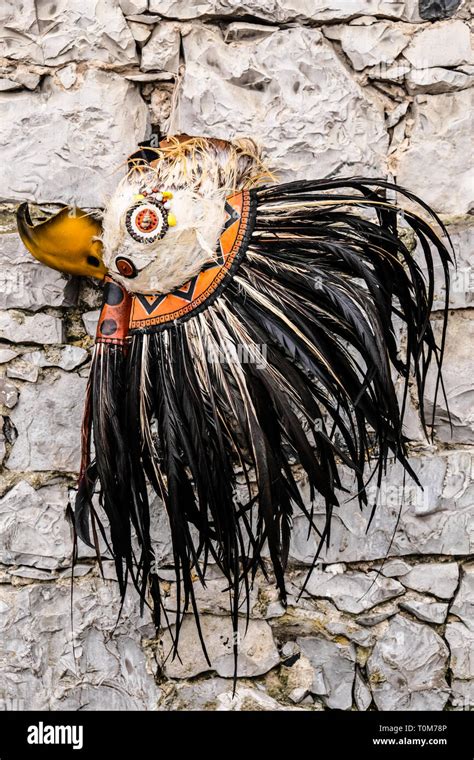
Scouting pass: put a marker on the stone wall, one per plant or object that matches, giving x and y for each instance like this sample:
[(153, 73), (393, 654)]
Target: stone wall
[(379, 87)]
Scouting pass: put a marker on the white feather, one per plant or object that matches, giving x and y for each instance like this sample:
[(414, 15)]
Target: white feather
[(200, 173)]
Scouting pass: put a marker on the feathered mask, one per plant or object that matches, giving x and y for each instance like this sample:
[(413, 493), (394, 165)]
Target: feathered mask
[(248, 333)]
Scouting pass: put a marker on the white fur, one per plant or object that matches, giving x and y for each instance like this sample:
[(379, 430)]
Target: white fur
[(200, 173), (167, 263)]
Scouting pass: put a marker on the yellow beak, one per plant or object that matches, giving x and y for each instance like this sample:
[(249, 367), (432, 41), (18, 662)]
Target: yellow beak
[(66, 241)]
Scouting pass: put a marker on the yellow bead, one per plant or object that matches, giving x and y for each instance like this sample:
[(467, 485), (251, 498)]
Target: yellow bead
[(167, 194), (171, 220), (138, 197)]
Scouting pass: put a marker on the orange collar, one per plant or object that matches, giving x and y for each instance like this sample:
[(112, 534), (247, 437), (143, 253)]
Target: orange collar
[(124, 313)]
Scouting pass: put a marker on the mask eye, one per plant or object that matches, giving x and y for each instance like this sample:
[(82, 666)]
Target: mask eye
[(147, 222), (126, 267)]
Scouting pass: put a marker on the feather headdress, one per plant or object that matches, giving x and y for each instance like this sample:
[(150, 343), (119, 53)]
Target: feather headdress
[(248, 330)]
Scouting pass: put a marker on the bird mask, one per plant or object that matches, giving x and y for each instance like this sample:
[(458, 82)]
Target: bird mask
[(246, 353)]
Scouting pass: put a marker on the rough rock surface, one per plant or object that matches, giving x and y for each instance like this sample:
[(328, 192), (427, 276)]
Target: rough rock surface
[(407, 668), (8, 393), (432, 10), (77, 138), (23, 328), (379, 87), (352, 591), (57, 403), (436, 520), (283, 10), (437, 80), (68, 357), (161, 52), (444, 44), (362, 693), (461, 293), (33, 529), (369, 45), (24, 282), (258, 651), (437, 579), (271, 86), (463, 605), (426, 610), (39, 652), (457, 426), (68, 30), (461, 643), (439, 142), (334, 670)]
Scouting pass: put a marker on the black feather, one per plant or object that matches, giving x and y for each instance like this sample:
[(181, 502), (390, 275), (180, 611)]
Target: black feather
[(320, 297)]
